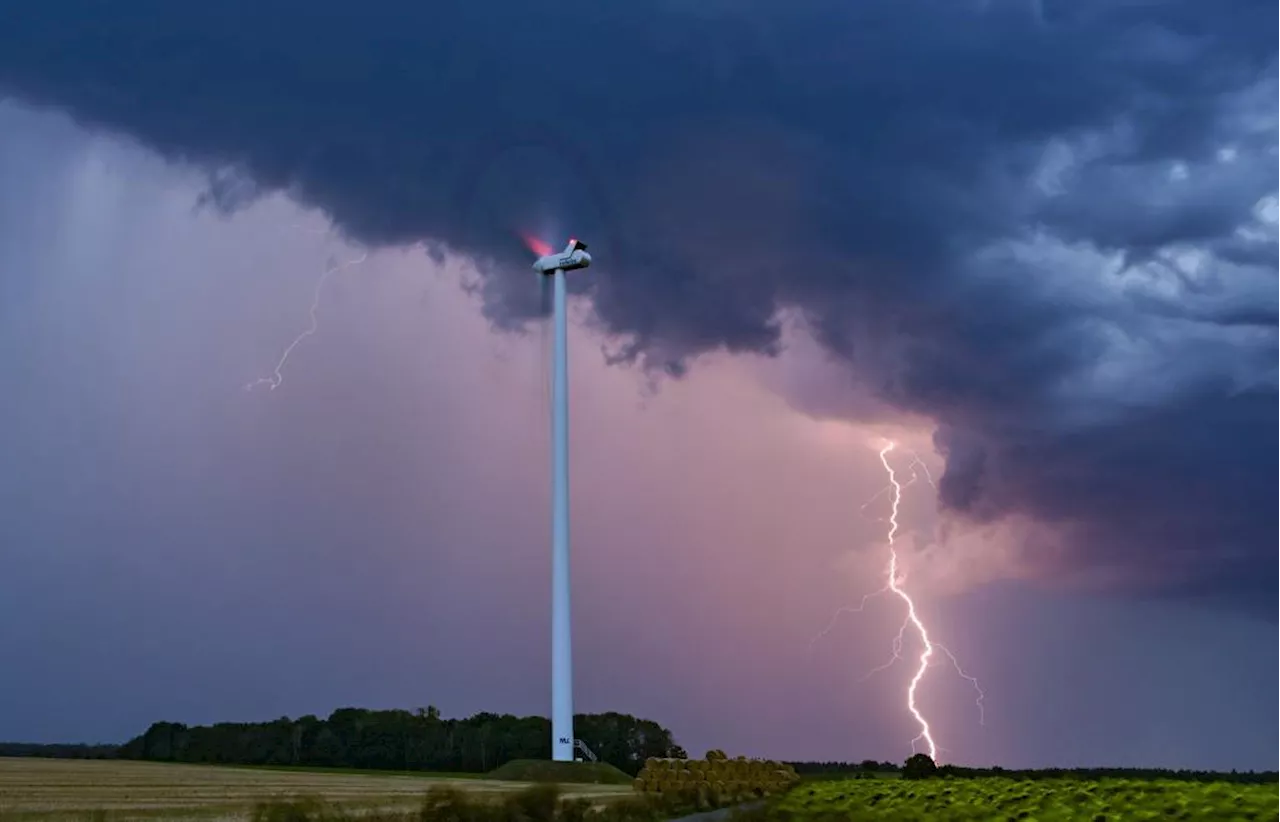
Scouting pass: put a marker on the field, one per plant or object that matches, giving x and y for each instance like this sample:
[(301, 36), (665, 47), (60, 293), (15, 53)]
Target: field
[(52, 790), (996, 800)]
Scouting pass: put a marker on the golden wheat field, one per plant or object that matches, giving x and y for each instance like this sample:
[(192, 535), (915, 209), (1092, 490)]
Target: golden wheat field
[(53, 790)]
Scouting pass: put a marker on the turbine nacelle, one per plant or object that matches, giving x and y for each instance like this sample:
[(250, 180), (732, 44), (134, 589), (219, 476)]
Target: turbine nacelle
[(573, 257)]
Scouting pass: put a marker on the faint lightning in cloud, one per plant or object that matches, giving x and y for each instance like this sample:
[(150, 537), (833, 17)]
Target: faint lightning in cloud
[(277, 375), (915, 463), (896, 578)]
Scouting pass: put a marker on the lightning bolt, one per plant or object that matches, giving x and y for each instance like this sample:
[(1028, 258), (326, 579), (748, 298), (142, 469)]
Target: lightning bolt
[(277, 374), (895, 585), (916, 463), (896, 578)]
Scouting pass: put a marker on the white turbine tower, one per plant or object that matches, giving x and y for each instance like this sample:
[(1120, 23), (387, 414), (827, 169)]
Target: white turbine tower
[(573, 257)]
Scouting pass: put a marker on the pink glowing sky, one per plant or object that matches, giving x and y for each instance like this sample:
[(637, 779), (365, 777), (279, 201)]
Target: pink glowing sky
[(375, 532)]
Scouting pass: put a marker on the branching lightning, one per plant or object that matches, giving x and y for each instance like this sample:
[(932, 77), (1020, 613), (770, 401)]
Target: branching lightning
[(277, 375), (896, 579)]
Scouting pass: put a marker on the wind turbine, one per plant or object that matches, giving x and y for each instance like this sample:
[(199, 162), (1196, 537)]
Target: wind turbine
[(555, 266)]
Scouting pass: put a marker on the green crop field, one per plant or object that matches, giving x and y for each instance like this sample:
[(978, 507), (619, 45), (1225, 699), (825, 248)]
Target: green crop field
[(1049, 800)]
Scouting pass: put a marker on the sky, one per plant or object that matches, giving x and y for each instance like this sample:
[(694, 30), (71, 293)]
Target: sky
[(1033, 243)]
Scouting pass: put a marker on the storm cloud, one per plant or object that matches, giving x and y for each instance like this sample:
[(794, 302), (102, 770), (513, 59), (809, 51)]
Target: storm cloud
[(1048, 226)]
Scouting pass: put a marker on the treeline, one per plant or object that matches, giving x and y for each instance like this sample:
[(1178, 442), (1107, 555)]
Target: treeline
[(836, 770), (400, 740), (56, 751)]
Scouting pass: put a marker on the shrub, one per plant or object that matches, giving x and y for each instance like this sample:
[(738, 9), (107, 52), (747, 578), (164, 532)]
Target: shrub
[(540, 803), (445, 804), (300, 809)]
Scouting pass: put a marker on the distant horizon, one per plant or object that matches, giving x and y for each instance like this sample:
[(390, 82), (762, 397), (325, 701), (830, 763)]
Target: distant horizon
[(837, 762), (854, 761)]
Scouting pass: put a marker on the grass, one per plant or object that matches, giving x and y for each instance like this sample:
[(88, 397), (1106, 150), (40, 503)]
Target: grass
[(540, 770), (50, 790), (1007, 800)]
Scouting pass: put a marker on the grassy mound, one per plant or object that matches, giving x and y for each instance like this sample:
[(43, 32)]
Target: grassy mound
[(544, 770)]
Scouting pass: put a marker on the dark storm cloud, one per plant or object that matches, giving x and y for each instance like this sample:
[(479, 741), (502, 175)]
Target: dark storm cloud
[(936, 186)]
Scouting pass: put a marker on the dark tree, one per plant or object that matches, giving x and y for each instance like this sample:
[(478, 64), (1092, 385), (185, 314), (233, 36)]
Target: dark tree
[(919, 766)]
